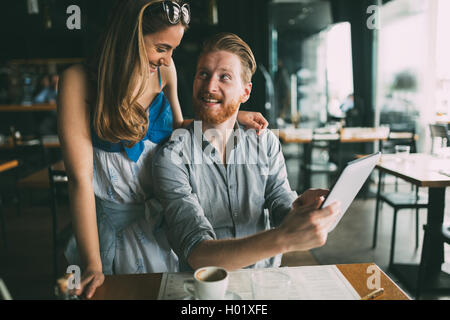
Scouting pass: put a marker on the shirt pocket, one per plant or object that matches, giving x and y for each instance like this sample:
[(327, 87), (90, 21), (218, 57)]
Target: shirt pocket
[(257, 175), (263, 170)]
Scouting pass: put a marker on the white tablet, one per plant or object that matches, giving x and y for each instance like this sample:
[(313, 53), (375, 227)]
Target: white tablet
[(350, 182)]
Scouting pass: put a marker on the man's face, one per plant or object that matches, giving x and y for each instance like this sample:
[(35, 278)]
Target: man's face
[(218, 87)]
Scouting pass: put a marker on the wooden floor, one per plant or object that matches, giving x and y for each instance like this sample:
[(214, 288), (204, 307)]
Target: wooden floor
[(26, 262)]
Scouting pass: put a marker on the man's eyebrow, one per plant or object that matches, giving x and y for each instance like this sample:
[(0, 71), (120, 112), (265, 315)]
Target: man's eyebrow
[(223, 69), (226, 69)]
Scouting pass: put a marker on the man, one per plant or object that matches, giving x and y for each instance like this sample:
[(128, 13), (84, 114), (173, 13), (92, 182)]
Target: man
[(215, 181)]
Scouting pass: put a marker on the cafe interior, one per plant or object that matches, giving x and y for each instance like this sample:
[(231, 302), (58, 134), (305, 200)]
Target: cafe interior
[(337, 80)]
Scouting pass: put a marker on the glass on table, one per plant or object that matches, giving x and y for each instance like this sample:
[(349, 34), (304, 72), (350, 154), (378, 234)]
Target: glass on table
[(270, 285), (402, 152)]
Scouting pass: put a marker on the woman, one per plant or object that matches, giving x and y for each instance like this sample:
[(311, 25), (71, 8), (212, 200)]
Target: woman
[(111, 115)]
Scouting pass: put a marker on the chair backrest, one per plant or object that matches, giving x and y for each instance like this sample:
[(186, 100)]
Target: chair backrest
[(57, 173), (439, 131), (324, 135), (402, 136), (58, 182), (29, 150)]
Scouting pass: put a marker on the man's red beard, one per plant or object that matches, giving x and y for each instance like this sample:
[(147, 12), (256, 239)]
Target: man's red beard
[(217, 115)]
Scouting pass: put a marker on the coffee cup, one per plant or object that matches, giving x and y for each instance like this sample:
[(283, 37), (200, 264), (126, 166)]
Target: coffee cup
[(209, 283)]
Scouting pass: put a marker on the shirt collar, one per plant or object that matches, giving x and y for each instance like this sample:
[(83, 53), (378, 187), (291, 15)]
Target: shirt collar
[(233, 142)]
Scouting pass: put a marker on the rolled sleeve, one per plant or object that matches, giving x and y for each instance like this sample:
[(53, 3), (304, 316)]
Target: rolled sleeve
[(278, 193), (185, 220)]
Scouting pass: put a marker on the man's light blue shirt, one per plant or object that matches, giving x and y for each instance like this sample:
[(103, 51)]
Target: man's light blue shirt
[(203, 199)]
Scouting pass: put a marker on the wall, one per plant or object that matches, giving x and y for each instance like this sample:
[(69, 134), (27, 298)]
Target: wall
[(24, 36)]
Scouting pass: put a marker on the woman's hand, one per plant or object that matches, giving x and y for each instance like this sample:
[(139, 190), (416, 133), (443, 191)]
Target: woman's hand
[(253, 120), (90, 281)]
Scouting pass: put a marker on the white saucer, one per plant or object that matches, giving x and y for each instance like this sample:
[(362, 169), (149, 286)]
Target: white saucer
[(228, 296)]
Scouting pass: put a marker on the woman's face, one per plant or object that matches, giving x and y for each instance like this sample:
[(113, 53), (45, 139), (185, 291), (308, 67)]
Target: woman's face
[(160, 46)]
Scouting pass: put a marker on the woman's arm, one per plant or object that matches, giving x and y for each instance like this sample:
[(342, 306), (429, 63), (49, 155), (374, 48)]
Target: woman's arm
[(75, 137), (170, 88), (253, 120)]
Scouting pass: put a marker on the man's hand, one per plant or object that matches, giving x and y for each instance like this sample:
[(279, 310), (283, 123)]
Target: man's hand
[(306, 227), (310, 196)]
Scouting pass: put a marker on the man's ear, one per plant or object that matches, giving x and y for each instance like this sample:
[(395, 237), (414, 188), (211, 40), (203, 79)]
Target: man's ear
[(247, 91)]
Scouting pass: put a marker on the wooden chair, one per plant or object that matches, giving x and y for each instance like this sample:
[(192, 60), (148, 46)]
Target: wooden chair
[(3, 224), (309, 167), (30, 151), (5, 166), (52, 180), (404, 137), (439, 131), (398, 201), (445, 237), (57, 181), (399, 137)]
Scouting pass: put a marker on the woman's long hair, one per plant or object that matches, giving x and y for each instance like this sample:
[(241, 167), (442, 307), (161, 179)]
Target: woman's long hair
[(119, 67)]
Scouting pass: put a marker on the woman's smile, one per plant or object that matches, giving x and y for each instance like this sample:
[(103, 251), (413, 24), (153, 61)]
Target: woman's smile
[(153, 67)]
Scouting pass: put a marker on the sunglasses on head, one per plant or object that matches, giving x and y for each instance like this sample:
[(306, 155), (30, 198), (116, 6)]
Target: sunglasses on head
[(175, 12)]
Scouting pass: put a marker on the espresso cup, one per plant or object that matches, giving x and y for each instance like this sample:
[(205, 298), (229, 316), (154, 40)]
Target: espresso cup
[(209, 283)]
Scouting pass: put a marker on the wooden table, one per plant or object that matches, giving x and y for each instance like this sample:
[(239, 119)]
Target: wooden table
[(39, 180), (146, 286), (443, 119), (48, 142), (32, 108), (26, 114), (423, 170), (346, 135), (307, 136), (7, 165)]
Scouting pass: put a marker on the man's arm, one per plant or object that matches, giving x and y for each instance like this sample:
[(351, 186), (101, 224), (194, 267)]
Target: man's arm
[(192, 236), (303, 228), (188, 230), (185, 220), (300, 226), (278, 193)]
